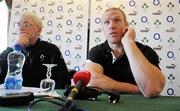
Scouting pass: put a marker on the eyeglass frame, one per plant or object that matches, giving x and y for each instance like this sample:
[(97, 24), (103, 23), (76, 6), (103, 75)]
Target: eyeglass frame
[(25, 24)]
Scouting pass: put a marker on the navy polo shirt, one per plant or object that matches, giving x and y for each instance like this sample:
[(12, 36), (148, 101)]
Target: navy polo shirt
[(120, 69)]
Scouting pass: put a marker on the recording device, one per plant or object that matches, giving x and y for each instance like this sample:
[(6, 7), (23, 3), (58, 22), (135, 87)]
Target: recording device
[(113, 97), (16, 99), (80, 79)]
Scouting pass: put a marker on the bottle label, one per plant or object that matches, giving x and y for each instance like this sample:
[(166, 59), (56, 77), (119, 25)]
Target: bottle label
[(12, 85)]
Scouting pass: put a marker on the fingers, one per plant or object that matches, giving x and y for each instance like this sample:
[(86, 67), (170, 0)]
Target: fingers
[(129, 34), (128, 31), (23, 40), (125, 29)]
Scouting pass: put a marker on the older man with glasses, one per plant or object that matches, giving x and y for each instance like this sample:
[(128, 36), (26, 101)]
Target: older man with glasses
[(37, 53)]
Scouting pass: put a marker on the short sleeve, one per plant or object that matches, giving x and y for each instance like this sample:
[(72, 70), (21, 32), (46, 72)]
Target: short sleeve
[(96, 55)]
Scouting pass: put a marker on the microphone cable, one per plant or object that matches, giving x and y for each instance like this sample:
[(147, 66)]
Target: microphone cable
[(72, 107), (55, 100), (49, 99), (91, 92)]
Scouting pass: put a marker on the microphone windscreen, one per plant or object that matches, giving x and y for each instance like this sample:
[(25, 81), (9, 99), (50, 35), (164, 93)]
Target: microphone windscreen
[(82, 75)]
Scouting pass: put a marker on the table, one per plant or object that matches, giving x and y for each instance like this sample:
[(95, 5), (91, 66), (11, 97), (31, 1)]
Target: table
[(126, 103)]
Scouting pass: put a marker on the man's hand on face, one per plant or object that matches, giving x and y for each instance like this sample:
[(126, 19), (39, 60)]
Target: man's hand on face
[(23, 40), (129, 34)]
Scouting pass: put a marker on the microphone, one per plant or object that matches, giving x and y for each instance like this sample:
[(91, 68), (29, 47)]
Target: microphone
[(80, 79)]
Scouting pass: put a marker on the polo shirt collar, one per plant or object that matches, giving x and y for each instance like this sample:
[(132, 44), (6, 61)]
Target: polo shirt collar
[(106, 45), (109, 51)]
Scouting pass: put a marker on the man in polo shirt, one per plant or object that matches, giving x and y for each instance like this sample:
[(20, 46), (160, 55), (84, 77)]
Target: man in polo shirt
[(120, 63)]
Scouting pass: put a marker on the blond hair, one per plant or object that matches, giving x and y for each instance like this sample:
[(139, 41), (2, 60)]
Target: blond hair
[(114, 8)]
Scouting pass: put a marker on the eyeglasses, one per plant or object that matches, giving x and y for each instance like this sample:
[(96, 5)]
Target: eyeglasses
[(25, 24)]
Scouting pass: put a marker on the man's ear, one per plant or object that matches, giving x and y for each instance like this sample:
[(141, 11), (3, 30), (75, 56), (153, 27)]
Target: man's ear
[(127, 23), (39, 30)]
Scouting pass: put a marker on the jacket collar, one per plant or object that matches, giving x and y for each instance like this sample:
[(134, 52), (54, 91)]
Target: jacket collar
[(32, 46)]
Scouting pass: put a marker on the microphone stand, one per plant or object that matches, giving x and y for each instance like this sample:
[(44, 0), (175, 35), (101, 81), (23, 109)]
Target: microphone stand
[(72, 107), (69, 107), (80, 78), (73, 93)]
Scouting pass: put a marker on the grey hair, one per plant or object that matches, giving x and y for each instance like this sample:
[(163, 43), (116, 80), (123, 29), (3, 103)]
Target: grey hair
[(36, 19)]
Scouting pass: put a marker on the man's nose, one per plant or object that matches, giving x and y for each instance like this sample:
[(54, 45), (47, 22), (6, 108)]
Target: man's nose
[(112, 24), (21, 27)]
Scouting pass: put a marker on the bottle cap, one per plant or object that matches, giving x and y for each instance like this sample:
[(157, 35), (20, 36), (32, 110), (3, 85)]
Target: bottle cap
[(18, 47)]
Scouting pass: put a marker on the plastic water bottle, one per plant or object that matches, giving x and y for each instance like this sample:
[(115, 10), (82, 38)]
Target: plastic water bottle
[(13, 80)]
